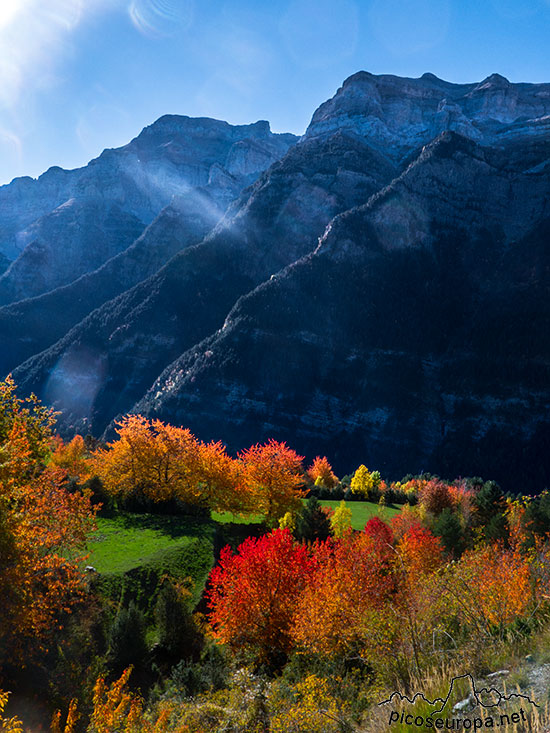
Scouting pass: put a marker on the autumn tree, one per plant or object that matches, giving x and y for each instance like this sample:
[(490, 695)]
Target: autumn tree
[(321, 474), (33, 419), (434, 496), (272, 474), (490, 586), (43, 528), (72, 457), (348, 588), (379, 530), (364, 481), (288, 521), (116, 708), (252, 594), (151, 458), (420, 551), (340, 522), (161, 462), (221, 484)]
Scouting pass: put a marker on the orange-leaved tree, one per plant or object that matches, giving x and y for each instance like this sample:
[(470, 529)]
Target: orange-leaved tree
[(35, 420), (221, 482), (321, 473), (72, 457), (418, 555), (149, 457), (43, 528), (162, 462), (253, 593), (493, 584), (350, 585), (272, 474)]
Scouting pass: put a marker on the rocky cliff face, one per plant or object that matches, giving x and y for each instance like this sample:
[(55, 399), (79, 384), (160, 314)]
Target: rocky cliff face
[(411, 337), (139, 333), (68, 223), (380, 293), (30, 326), (397, 115)]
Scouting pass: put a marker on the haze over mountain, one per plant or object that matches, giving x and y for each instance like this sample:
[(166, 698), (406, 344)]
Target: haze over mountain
[(380, 292)]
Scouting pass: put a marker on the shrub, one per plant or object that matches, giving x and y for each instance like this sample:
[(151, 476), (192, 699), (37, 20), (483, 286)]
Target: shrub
[(178, 634), (127, 645)]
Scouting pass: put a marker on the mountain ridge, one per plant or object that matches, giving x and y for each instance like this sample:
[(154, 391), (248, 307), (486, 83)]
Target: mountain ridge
[(363, 296)]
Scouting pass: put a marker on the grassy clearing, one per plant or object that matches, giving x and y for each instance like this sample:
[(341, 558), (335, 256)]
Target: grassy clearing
[(230, 518), (128, 541), (133, 552), (362, 511)]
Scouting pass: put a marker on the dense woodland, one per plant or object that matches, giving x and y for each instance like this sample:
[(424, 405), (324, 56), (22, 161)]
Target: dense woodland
[(303, 623)]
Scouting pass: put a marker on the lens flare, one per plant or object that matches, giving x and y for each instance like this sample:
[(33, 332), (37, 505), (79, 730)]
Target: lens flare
[(75, 381), (161, 18)]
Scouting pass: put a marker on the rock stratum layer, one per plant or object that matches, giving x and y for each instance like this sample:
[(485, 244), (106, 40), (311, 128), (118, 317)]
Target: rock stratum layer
[(379, 293)]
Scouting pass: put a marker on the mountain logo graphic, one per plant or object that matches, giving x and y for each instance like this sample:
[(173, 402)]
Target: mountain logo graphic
[(480, 696)]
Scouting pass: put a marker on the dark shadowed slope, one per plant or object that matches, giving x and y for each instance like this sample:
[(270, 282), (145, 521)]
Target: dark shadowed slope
[(124, 345), (30, 326), (67, 223), (415, 338)]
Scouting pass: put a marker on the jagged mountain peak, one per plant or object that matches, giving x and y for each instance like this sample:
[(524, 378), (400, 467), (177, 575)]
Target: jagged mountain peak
[(400, 114), (171, 124), (494, 81)]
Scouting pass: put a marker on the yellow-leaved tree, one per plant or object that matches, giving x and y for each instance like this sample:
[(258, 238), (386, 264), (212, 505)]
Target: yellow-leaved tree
[(162, 462), (8, 725), (364, 480), (340, 521)]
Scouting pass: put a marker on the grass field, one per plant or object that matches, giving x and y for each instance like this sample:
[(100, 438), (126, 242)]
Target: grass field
[(127, 540), (362, 511), (134, 552), (228, 517)]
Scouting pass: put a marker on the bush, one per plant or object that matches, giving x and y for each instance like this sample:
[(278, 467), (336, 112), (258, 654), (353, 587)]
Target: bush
[(100, 496), (178, 634), (208, 674), (127, 645), (447, 526), (312, 522)]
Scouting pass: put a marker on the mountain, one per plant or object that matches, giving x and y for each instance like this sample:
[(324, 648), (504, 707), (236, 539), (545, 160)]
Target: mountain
[(31, 325), (380, 294), (138, 334), (413, 337), (68, 223), (397, 115)]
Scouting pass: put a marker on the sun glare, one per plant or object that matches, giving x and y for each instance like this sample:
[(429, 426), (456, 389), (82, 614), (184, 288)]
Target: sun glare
[(8, 10)]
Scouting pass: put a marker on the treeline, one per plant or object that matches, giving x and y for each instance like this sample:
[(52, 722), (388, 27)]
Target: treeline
[(302, 627)]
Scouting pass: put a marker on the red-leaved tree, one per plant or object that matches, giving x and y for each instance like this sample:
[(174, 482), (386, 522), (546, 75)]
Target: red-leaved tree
[(253, 594)]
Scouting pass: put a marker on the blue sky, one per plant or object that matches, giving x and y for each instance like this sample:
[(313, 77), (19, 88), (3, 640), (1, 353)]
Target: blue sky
[(77, 76)]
